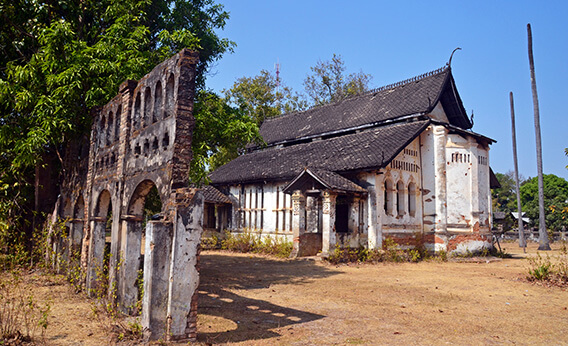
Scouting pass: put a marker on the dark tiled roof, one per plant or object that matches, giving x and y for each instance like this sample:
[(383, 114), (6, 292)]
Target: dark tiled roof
[(334, 181), (212, 195), (414, 96), (369, 149)]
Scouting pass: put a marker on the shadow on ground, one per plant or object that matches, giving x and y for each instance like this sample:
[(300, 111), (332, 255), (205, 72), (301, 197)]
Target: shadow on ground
[(242, 318)]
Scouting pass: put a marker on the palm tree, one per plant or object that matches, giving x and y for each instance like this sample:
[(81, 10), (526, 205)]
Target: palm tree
[(522, 242), (544, 243)]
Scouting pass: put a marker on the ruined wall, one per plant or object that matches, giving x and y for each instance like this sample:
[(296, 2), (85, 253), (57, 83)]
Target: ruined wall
[(140, 140)]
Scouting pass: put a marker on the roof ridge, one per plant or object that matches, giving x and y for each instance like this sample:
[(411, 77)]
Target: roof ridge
[(371, 91), (409, 80)]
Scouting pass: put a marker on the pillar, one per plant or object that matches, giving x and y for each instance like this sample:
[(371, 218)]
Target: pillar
[(328, 223), (157, 258), (298, 221), (96, 252), (184, 271), (440, 228), (374, 230), (129, 262)]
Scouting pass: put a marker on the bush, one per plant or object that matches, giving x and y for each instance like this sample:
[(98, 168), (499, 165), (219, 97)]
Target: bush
[(249, 242), (553, 270)]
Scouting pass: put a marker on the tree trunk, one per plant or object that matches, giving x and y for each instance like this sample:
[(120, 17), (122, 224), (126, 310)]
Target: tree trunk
[(544, 243), (522, 242)]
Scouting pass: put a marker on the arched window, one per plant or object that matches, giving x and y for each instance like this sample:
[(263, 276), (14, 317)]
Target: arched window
[(169, 104), (388, 200), (157, 114), (147, 107), (117, 123), (136, 117), (109, 129), (101, 132), (400, 206), (412, 199)]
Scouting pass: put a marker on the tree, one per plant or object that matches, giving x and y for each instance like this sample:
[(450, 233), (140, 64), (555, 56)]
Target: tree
[(62, 59), (504, 197), (543, 236), (555, 201), (327, 82), (262, 97), (220, 135)]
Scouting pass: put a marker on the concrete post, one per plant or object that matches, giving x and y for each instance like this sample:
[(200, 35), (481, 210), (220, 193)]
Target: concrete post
[(328, 223), (129, 260), (184, 271), (96, 252), (298, 221), (157, 259)]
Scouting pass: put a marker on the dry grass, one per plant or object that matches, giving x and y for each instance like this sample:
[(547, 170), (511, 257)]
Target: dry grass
[(257, 300)]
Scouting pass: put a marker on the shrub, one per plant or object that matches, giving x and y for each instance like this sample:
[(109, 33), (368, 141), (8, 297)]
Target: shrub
[(541, 268), (249, 242)]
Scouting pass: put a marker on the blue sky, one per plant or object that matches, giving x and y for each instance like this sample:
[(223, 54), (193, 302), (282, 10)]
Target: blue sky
[(394, 41)]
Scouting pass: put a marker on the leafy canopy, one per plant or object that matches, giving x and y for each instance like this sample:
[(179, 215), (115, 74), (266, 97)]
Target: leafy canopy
[(61, 59), (263, 96), (327, 82), (555, 201)]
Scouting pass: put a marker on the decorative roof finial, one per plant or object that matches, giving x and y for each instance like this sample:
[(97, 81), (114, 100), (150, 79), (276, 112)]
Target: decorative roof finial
[(451, 56)]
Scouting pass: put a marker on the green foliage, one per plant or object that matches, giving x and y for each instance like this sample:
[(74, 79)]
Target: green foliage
[(261, 97), (20, 315), (220, 135), (541, 268), (553, 270), (60, 60), (328, 84), (391, 252), (250, 242), (555, 201)]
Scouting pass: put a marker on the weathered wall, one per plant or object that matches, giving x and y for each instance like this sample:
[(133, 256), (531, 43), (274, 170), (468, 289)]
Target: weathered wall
[(142, 139)]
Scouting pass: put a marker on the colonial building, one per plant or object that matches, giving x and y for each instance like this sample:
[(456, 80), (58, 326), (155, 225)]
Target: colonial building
[(400, 161)]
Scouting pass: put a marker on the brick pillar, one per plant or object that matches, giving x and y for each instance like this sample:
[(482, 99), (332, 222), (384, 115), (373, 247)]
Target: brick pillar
[(298, 221), (328, 223)]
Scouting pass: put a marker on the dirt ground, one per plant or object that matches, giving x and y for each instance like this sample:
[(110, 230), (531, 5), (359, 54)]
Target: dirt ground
[(257, 300)]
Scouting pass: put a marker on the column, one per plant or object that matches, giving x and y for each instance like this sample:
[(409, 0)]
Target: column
[(440, 139), (96, 252), (157, 258), (298, 221), (129, 262), (184, 271), (328, 223), (375, 236)]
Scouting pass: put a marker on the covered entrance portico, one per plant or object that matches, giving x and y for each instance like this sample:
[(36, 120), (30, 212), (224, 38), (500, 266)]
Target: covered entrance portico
[(325, 207)]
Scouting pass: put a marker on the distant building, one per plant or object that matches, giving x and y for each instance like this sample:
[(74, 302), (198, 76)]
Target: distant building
[(399, 162)]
